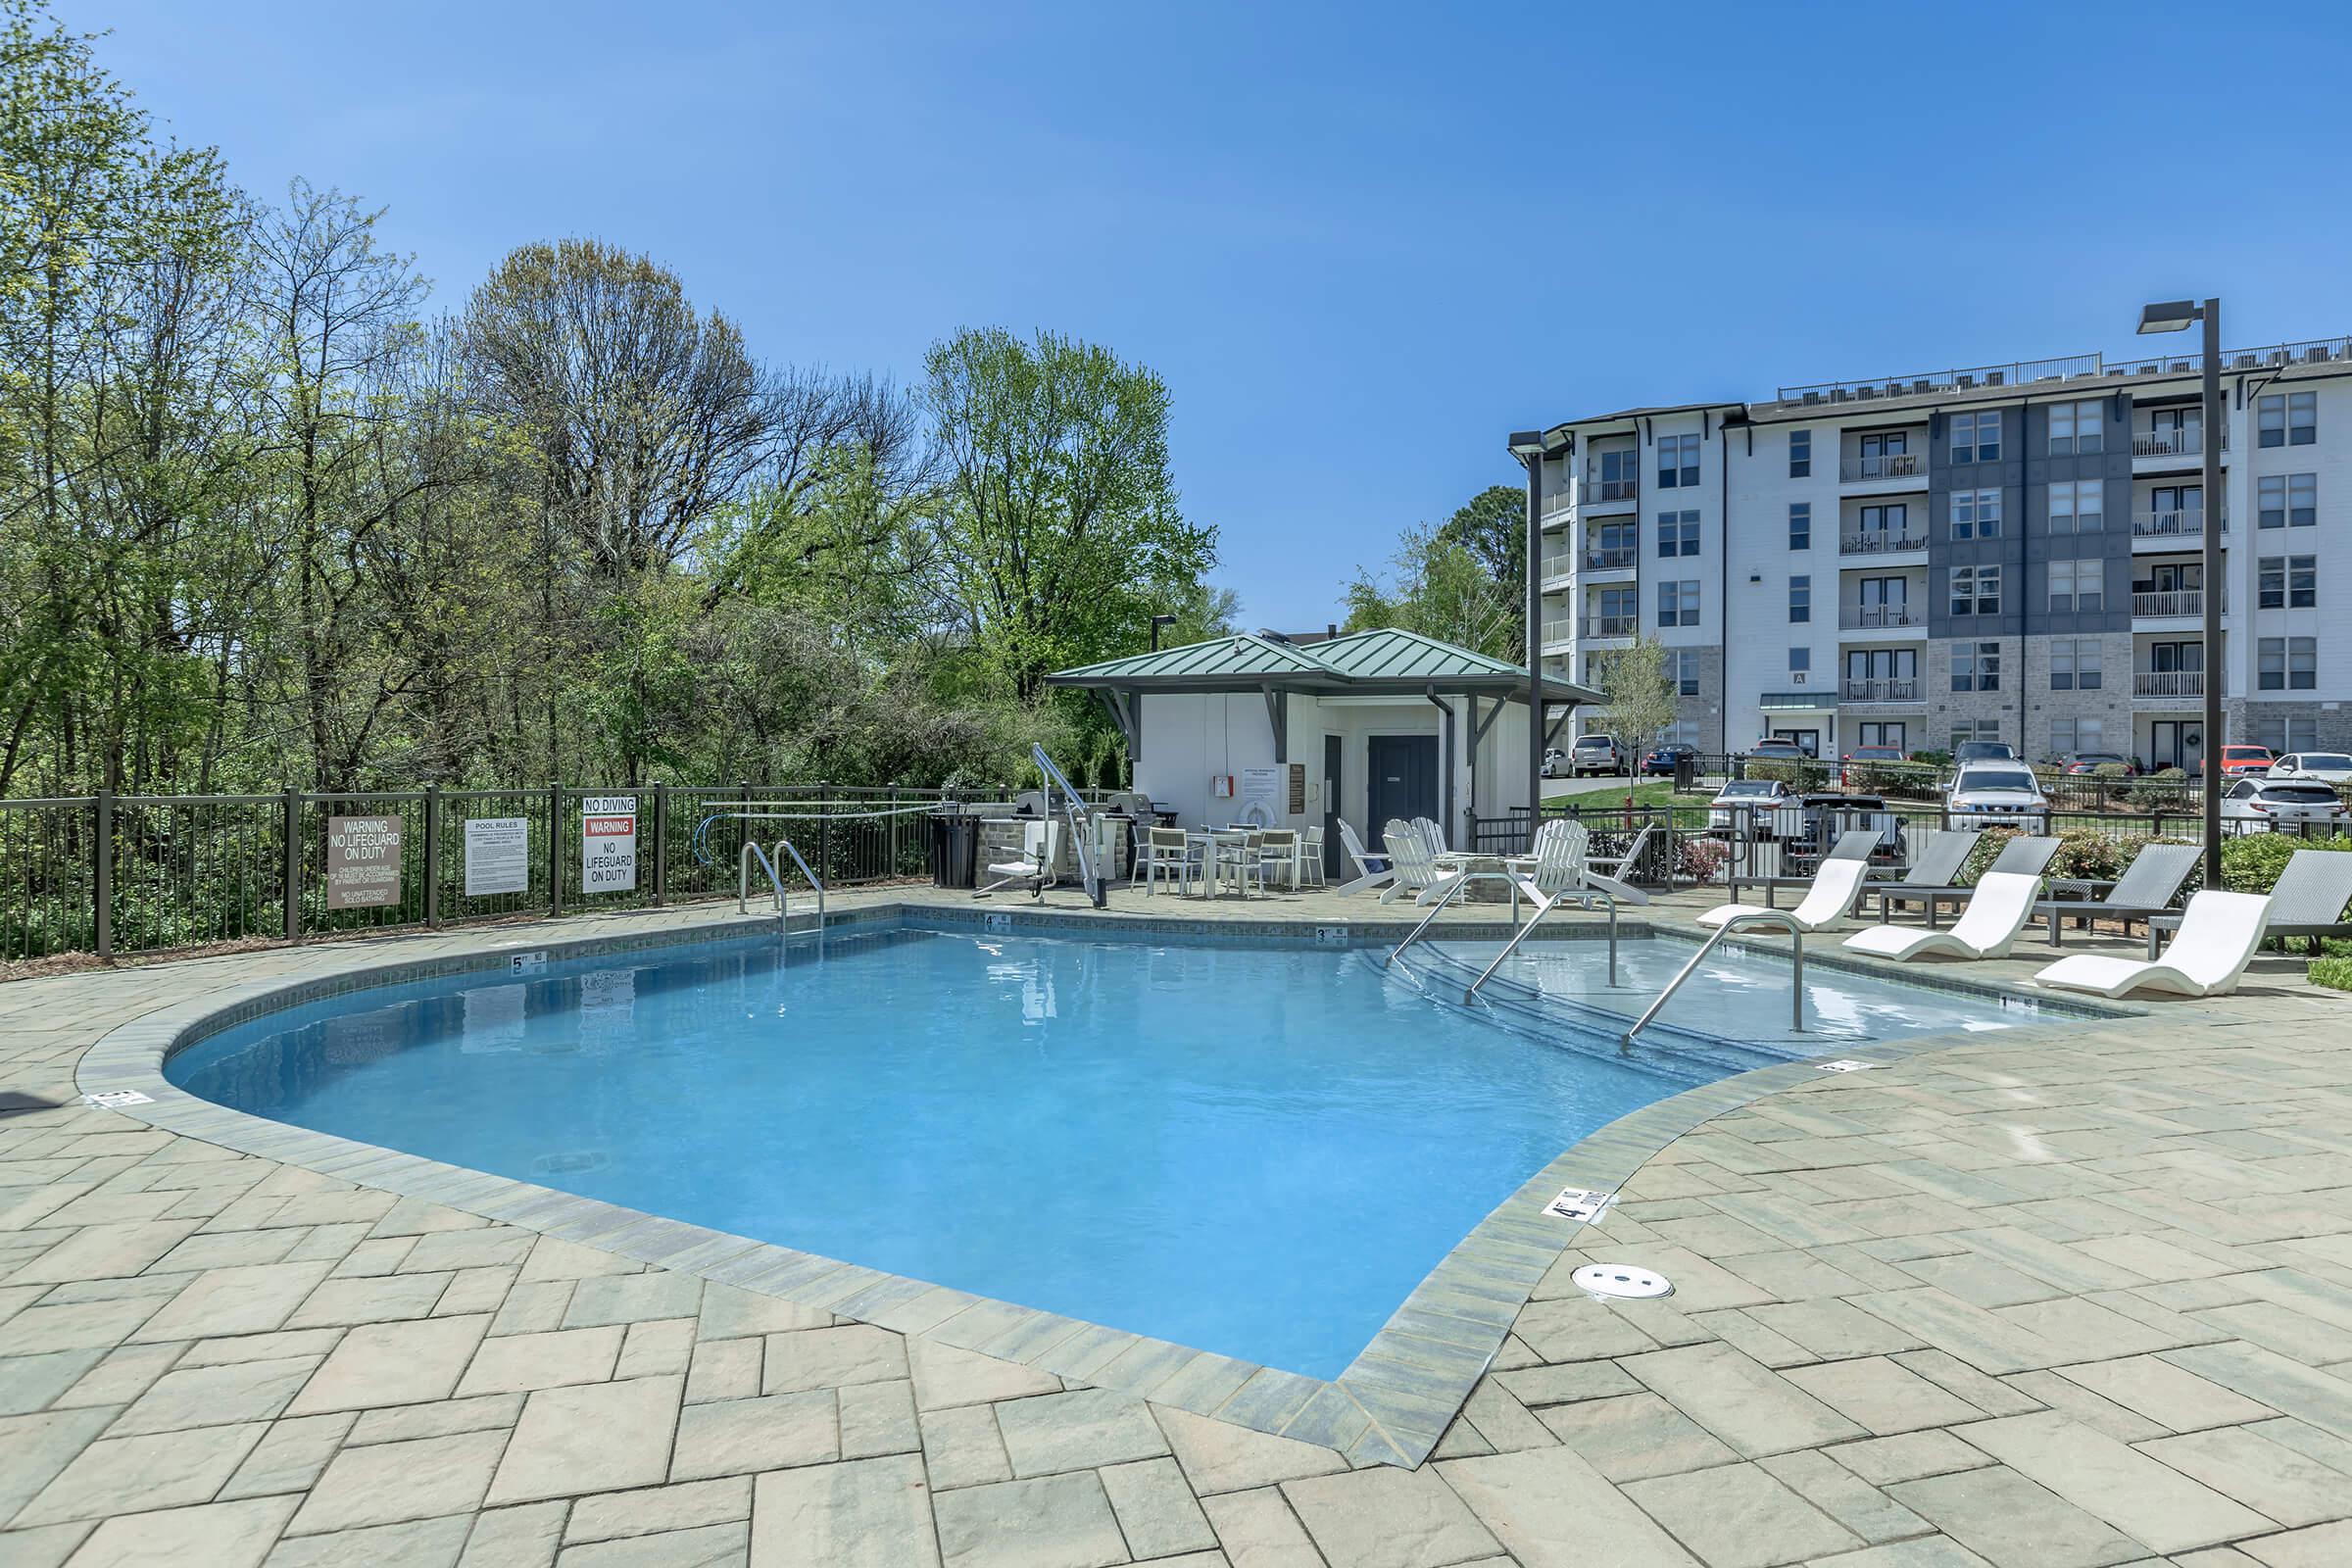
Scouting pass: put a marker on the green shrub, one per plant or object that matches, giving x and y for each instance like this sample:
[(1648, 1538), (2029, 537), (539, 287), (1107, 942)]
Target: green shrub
[(1981, 858), (1798, 776), (1933, 759), (2251, 862), (2333, 972), (2089, 854)]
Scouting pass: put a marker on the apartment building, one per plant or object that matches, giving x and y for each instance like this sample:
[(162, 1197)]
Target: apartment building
[(2005, 553)]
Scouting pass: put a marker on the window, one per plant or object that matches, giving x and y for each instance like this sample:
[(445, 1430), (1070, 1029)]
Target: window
[(2269, 500), (2174, 508), (1677, 462), (2302, 500), (1801, 454), (1682, 732), (1686, 672), (2077, 585), (1620, 474), (2288, 663), (1976, 666), (2077, 506), (1882, 732), (2284, 735), (1678, 533), (2290, 419), (1882, 527), (1800, 659), (2075, 665), (2076, 427), (1975, 590), (1615, 544), (1800, 599), (1976, 437), (2269, 583), (2070, 737), (1800, 524), (2302, 582), (1678, 603), (1983, 729), (1882, 602), (1976, 515)]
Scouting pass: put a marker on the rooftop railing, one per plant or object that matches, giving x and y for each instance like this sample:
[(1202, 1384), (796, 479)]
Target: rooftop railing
[(2068, 367)]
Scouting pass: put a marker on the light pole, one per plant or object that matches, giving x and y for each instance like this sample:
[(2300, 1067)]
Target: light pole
[(2173, 316), (1528, 447), (1158, 621)]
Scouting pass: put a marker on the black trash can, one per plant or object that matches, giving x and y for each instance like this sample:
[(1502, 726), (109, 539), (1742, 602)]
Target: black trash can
[(1686, 773), (955, 850)]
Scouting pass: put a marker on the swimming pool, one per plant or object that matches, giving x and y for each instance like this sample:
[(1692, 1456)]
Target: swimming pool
[(1251, 1149)]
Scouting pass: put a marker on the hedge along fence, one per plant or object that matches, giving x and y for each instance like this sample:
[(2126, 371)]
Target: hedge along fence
[(119, 873)]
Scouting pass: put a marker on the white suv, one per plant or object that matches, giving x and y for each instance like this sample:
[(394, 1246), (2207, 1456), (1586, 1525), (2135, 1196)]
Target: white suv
[(1996, 789)]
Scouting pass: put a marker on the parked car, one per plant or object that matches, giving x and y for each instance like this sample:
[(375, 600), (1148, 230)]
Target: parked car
[(1984, 751), (1830, 812), (2325, 767), (1596, 753), (2001, 787), (1777, 752), (2093, 761), (2237, 762), (1864, 755), (1743, 799), (1659, 763), (2258, 804), (1556, 762)]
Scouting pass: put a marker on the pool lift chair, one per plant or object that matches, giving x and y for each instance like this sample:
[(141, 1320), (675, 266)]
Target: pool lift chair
[(1041, 847)]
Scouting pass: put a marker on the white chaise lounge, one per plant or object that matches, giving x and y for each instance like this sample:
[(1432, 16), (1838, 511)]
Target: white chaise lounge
[(2219, 933), (1837, 884), (1994, 917)]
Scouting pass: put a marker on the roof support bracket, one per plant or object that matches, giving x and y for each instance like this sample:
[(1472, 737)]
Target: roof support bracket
[(1121, 706), (1278, 719)]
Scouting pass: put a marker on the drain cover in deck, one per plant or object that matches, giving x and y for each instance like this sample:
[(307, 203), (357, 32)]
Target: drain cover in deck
[(1624, 1280)]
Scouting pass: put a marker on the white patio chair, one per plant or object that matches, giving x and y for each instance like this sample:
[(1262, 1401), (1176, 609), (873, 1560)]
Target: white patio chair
[(1233, 853), (1997, 912), (1371, 870), (1041, 852), (1277, 857), (2219, 933), (1311, 857), (1417, 870), (1168, 852)]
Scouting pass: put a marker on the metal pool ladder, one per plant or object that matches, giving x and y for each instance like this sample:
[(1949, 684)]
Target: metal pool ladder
[(1797, 988), (768, 859)]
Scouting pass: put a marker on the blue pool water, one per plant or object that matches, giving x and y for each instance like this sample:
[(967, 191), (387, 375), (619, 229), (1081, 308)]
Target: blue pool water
[(1249, 1149)]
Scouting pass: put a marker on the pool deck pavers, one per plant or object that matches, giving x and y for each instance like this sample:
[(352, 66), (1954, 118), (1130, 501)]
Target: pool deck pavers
[(2071, 1296)]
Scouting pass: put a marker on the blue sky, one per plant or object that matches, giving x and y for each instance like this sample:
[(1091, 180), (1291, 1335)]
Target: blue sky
[(1362, 243)]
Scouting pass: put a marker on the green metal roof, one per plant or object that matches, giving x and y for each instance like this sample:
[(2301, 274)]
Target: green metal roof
[(1387, 659)]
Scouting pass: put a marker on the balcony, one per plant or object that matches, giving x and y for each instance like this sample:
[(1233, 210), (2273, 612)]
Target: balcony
[(2167, 683), (2171, 444), (1610, 625), (1614, 557), (1558, 563), (1882, 541), (1598, 491), (1886, 466), (1883, 689), (2185, 522), (2170, 604), (1558, 630), (1558, 504), (1872, 617)]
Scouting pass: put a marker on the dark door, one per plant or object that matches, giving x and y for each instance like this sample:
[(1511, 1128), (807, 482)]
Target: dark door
[(1334, 750), (1403, 781)]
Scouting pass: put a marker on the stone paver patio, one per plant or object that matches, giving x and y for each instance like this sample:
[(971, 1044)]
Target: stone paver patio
[(2072, 1295)]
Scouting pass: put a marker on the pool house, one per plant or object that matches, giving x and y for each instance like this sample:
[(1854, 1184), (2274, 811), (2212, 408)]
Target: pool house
[(1368, 726)]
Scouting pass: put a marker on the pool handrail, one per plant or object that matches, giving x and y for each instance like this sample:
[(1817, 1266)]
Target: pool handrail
[(1797, 990), (1543, 907), (767, 864)]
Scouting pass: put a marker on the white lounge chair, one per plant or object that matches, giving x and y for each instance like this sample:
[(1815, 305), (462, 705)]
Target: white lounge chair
[(1997, 911), (1835, 885), (2219, 933), (1371, 870), (1417, 870), (1040, 854)]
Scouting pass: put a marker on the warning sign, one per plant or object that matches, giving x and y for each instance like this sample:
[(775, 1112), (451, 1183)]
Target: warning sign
[(609, 844), (362, 861)]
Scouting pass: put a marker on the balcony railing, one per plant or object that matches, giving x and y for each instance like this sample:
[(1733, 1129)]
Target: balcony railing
[(1558, 562), (1596, 488), (2167, 683), (1854, 616), (1882, 541), (2188, 522), (1558, 502), (1560, 629), (1885, 465), (1883, 689), (2170, 602), (2172, 442), (1610, 625), (1613, 558)]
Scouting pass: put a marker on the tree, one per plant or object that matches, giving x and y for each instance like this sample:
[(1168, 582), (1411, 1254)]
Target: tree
[(1638, 692), (1492, 526), (1059, 533), (1440, 588)]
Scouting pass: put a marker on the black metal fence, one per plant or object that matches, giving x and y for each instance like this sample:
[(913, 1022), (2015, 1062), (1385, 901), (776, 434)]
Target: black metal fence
[(130, 873)]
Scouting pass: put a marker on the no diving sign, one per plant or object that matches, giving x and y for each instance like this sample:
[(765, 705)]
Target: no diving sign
[(609, 844)]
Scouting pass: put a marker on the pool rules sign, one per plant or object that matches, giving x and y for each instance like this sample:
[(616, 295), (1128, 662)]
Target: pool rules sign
[(609, 844)]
